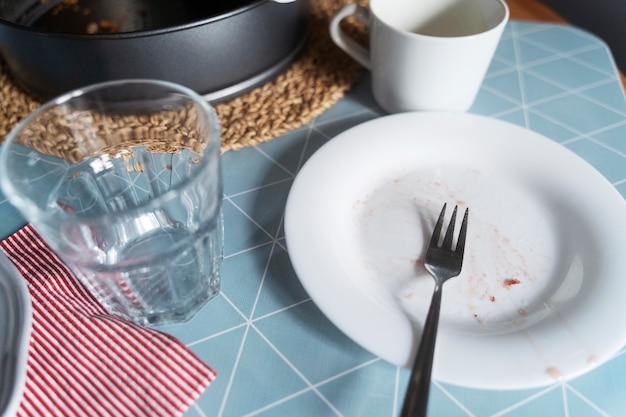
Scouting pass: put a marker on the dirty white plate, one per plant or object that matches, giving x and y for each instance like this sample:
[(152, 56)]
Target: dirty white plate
[(15, 327), (541, 294)]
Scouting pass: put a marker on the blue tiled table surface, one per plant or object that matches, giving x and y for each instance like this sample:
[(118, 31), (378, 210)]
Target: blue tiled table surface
[(275, 352)]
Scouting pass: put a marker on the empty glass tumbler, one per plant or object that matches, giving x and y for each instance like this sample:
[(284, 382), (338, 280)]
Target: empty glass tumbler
[(123, 181)]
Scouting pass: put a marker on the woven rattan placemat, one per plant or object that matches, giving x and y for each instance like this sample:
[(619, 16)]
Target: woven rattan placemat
[(313, 83)]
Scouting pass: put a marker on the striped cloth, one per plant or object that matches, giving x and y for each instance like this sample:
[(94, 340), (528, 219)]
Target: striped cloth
[(83, 361)]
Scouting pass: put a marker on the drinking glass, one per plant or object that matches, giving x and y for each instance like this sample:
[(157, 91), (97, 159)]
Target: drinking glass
[(123, 181)]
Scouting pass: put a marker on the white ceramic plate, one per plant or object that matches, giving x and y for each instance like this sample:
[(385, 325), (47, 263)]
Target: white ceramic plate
[(15, 327), (541, 294)]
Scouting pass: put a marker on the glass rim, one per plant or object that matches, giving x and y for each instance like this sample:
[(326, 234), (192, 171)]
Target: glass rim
[(22, 201)]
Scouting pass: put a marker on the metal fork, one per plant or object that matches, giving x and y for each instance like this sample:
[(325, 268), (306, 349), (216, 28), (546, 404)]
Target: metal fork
[(442, 262)]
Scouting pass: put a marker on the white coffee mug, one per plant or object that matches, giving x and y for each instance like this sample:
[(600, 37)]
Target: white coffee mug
[(425, 54)]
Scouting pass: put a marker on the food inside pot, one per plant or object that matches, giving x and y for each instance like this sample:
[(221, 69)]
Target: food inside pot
[(115, 16)]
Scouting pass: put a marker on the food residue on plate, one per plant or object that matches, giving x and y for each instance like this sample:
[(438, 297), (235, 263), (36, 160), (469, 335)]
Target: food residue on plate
[(509, 282), (506, 265), (554, 373)]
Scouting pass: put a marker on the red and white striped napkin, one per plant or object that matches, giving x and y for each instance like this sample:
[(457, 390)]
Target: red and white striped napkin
[(83, 361)]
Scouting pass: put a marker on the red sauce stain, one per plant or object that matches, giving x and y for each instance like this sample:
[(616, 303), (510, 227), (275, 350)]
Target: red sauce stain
[(509, 282), (478, 319)]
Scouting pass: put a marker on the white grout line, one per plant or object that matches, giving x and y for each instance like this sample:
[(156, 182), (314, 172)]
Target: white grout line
[(525, 401), (589, 402), (454, 400)]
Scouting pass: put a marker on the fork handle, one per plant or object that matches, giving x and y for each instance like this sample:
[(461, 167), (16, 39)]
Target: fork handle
[(416, 397)]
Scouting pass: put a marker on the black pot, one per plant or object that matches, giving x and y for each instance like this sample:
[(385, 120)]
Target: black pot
[(217, 48)]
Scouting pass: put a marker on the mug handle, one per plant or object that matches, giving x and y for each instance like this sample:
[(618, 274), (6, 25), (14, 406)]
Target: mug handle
[(345, 42)]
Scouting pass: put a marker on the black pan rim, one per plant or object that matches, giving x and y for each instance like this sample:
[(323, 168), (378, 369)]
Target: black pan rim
[(136, 34)]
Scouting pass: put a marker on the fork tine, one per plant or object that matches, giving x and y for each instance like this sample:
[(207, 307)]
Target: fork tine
[(460, 245), (434, 239), (447, 240)]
